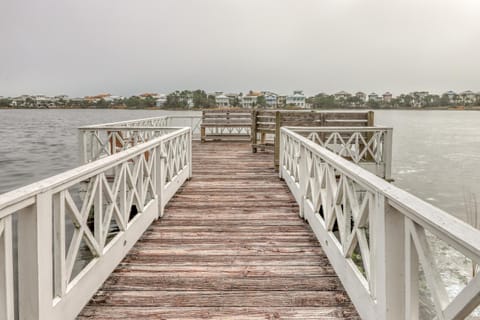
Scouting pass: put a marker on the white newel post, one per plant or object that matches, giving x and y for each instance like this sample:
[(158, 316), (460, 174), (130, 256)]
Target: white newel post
[(411, 276), (280, 154), (160, 177), (302, 177), (6, 270), (387, 153), (190, 154), (35, 283), (388, 247)]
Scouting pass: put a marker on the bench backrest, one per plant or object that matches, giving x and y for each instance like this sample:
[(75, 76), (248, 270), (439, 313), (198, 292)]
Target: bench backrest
[(226, 117), (265, 120)]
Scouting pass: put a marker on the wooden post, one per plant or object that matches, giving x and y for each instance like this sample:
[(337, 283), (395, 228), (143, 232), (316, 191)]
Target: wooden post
[(370, 119), (35, 279), (278, 124), (254, 131), (202, 134)]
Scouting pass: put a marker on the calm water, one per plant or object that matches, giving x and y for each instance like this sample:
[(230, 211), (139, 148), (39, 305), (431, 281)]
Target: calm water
[(436, 154)]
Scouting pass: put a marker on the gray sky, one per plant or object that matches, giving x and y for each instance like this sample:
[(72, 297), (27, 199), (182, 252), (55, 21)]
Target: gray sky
[(82, 47)]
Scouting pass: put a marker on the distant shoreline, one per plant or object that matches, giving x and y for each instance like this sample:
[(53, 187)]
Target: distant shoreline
[(475, 108)]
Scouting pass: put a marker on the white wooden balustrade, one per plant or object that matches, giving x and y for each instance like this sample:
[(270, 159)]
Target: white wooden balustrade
[(369, 147), (74, 228), (375, 234), (97, 141)]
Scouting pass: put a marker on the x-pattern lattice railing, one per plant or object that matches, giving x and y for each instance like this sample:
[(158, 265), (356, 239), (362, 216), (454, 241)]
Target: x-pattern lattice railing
[(102, 140), (369, 147), (91, 216), (378, 238)]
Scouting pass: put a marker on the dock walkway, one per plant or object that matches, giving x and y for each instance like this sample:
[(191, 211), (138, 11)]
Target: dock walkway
[(230, 245)]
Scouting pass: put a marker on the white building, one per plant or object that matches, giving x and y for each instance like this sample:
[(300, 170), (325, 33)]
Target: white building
[(271, 99), (222, 101), (249, 101), (373, 97), (161, 100), (387, 97), (361, 96), (281, 101), (233, 99), (342, 96), (468, 97), (297, 99)]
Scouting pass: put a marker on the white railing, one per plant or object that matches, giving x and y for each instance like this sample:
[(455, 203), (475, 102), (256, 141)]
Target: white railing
[(162, 121), (377, 236), (73, 229), (191, 121), (369, 147), (97, 141)]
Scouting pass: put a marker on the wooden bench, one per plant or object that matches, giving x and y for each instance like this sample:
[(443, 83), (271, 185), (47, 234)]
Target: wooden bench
[(226, 125), (268, 122)]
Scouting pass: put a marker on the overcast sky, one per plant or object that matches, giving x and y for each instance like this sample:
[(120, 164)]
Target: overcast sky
[(82, 47)]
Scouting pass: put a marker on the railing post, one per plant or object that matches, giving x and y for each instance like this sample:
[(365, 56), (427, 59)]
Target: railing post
[(302, 178), (411, 277), (370, 119), (254, 131), (6, 270), (387, 154), (387, 243), (160, 177), (82, 142), (278, 124), (35, 278), (190, 154)]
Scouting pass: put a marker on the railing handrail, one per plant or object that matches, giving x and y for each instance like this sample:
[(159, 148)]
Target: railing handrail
[(340, 129), (24, 193), (415, 208), (120, 123), (126, 122), (113, 128)]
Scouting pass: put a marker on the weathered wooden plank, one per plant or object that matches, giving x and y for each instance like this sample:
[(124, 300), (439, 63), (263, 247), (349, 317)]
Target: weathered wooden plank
[(228, 271), (147, 248), (181, 221), (244, 261), (142, 282), (219, 313), (287, 298)]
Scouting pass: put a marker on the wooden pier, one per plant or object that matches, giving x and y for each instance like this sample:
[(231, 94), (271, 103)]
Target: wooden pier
[(156, 226), (230, 245)]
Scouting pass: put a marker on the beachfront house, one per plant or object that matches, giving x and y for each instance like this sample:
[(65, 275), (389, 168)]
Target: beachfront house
[(297, 99), (387, 97), (222, 101), (373, 97), (271, 99), (361, 96), (468, 97), (161, 100), (341, 96)]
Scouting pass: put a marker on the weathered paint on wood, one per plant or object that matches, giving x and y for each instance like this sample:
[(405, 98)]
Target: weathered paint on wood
[(230, 245)]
